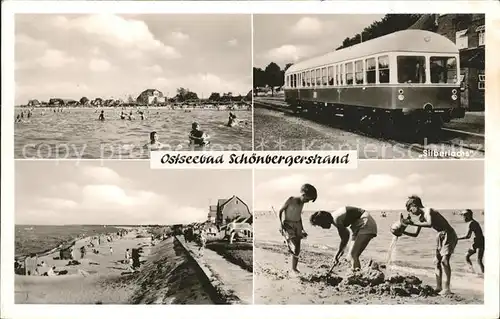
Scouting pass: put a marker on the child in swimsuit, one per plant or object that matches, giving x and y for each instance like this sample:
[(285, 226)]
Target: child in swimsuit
[(291, 224), (478, 243)]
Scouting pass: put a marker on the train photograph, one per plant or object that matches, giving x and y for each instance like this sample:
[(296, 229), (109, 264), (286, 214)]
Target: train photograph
[(390, 86)]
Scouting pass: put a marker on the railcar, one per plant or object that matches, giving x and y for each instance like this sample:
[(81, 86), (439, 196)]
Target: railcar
[(407, 78)]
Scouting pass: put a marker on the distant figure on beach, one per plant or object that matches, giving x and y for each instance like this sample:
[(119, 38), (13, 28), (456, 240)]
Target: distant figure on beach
[(111, 250), (291, 225), (203, 242), (130, 116), (478, 242), (101, 116), (446, 239), (153, 144), (232, 121), (198, 137), (18, 118), (83, 251), (52, 271), (122, 116), (361, 223), (127, 255)]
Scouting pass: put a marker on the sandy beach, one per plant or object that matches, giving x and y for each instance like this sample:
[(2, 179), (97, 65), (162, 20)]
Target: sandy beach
[(165, 277), (274, 284)]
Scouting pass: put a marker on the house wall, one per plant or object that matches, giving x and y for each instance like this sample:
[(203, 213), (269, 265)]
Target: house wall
[(472, 97), (232, 209)]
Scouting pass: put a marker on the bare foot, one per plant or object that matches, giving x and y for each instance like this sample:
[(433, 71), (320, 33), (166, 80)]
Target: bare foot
[(471, 269), (296, 271), (438, 289), (445, 292)]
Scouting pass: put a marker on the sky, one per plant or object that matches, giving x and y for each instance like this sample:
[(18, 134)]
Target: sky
[(379, 184), (120, 192), (296, 37), (111, 56)]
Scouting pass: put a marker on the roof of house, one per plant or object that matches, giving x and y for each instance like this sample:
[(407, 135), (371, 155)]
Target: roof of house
[(222, 202), (406, 41)]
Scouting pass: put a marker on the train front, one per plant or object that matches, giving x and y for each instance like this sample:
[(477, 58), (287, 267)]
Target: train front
[(428, 88)]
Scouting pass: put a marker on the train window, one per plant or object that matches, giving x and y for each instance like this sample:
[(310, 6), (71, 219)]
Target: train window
[(318, 77), (358, 66), (337, 75), (370, 71), (411, 69), (348, 73), (342, 74), (324, 77), (383, 69), (330, 75), (443, 69)]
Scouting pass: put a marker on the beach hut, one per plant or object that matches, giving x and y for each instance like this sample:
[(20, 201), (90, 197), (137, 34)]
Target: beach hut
[(30, 266)]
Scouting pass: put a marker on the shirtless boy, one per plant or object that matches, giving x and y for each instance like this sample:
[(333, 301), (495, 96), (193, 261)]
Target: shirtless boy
[(446, 239), (291, 225), (478, 244), (363, 228)]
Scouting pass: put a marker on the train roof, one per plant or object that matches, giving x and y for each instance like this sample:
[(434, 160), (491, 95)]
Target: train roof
[(406, 40)]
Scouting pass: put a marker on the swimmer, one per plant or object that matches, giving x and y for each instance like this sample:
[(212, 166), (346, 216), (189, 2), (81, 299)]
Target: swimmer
[(122, 116), (101, 116), (196, 136), (153, 144), (130, 116), (446, 239), (291, 225), (478, 242), (361, 223)]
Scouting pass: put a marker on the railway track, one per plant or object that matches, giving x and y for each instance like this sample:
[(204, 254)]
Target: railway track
[(441, 149)]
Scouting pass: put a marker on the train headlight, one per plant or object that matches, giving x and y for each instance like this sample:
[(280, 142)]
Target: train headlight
[(401, 97), (454, 97), (454, 91)]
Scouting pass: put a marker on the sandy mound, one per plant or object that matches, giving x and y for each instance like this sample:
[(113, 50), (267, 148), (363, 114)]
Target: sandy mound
[(167, 277)]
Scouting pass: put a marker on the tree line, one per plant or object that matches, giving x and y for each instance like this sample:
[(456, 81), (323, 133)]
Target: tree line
[(273, 76)]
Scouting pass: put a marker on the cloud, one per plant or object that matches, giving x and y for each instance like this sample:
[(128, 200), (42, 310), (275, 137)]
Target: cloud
[(232, 42), (56, 203), (118, 32), (287, 53), (201, 83), (99, 65), (179, 36), (52, 59), (100, 175), (154, 69), (373, 184), (307, 27)]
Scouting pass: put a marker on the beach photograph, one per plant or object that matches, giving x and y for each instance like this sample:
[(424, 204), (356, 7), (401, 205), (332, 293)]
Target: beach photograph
[(122, 233), (392, 86), (119, 86), (389, 232)]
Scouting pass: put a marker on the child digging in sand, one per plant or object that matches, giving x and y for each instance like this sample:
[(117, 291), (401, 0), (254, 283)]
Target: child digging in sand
[(446, 239), (478, 243), (291, 225), (363, 228)]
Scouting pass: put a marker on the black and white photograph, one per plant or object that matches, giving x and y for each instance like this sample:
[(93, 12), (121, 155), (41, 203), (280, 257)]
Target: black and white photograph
[(118, 86), (389, 232), (126, 234), (392, 86)]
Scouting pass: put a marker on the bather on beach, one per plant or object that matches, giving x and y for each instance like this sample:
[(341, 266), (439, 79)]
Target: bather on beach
[(153, 144), (363, 228), (197, 136)]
